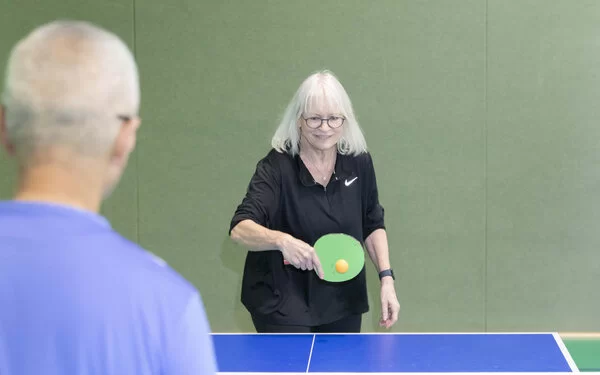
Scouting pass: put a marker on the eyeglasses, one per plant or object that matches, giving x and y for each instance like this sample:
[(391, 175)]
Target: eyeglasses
[(316, 122)]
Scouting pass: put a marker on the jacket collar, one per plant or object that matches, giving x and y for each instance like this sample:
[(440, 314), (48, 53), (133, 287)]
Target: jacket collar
[(342, 170)]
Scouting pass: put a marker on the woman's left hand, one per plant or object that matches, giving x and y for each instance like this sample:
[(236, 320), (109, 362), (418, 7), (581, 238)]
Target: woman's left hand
[(390, 307)]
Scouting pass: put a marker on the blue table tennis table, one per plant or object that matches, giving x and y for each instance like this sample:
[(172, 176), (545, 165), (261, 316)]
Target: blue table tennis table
[(392, 353)]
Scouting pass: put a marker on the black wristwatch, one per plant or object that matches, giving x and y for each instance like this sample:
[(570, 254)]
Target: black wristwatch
[(388, 272)]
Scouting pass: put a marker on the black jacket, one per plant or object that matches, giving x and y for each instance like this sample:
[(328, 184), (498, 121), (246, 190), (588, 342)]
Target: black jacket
[(283, 196)]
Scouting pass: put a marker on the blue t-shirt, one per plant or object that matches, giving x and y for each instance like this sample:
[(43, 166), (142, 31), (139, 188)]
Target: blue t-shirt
[(77, 298)]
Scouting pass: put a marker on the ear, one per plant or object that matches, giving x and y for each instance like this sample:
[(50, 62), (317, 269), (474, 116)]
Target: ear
[(125, 141), (8, 147)]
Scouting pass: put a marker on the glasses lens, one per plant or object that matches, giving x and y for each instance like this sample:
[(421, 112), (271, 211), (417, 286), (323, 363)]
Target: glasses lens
[(313, 122), (336, 122)]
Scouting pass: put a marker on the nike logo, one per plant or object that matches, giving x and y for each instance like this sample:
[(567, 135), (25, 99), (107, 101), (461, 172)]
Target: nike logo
[(348, 183)]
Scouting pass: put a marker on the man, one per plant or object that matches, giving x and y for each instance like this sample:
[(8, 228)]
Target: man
[(75, 297)]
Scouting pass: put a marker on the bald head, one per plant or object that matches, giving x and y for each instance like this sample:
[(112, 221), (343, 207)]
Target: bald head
[(67, 84)]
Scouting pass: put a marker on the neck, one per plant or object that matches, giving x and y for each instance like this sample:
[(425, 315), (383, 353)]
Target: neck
[(318, 156), (54, 183)]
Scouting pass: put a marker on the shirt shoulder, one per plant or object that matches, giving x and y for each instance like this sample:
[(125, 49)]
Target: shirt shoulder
[(358, 164), (364, 159), (276, 164), (277, 159), (153, 269)]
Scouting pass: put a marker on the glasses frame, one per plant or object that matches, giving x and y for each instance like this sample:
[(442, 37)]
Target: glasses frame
[(324, 119)]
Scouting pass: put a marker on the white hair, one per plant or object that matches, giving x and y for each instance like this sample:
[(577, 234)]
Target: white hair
[(319, 87), (67, 83)]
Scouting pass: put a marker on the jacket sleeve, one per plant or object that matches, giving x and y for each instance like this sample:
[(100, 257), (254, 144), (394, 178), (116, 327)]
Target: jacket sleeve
[(373, 211), (261, 201)]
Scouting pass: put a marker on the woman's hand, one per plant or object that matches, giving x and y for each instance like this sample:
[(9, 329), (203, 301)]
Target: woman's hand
[(390, 307), (300, 255)]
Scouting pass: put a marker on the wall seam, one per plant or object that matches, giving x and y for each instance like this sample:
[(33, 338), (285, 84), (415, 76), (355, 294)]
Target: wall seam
[(485, 171)]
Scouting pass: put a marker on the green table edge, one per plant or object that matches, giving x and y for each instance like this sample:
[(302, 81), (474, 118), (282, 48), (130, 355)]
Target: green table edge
[(585, 352)]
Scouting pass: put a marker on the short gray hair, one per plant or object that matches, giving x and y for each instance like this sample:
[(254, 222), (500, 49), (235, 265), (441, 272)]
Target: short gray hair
[(322, 85), (66, 84)]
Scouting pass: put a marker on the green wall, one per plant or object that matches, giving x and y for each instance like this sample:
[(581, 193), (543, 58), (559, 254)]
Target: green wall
[(482, 118)]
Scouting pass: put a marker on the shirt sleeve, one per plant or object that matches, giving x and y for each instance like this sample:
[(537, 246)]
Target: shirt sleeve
[(262, 196), (374, 212), (190, 350)]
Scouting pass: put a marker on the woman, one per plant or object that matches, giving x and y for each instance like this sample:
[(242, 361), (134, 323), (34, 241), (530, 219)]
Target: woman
[(317, 179)]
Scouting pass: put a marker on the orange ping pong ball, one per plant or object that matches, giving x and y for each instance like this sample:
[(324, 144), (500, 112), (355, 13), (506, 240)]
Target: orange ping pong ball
[(341, 266)]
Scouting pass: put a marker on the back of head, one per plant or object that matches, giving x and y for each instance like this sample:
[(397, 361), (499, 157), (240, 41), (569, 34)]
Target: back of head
[(69, 86), (66, 85)]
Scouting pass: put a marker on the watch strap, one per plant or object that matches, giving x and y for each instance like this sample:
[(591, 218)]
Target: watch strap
[(388, 272)]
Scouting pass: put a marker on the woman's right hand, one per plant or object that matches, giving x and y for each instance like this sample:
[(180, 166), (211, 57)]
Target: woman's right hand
[(300, 255)]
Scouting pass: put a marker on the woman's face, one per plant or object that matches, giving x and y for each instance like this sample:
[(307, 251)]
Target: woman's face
[(319, 133)]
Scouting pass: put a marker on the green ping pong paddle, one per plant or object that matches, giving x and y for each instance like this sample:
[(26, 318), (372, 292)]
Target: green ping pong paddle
[(342, 257)]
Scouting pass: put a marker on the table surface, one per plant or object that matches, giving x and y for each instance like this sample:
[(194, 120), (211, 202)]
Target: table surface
[(392, 353)]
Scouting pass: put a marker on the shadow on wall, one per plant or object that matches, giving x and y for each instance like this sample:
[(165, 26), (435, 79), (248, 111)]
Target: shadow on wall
[(233, 257)]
